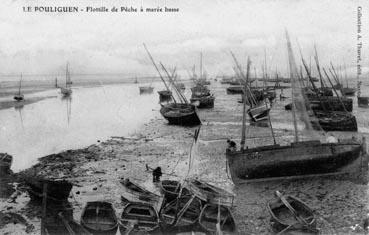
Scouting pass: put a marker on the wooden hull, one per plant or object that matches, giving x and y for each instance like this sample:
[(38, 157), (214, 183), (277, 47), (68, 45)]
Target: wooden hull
[(99, 218), (19, 97), (363, 101), (281, 216), (336, 121), (6, 161), (138, 193), (171, 188), (209, 193), (204, 101), (209, 217), (331, 103), (299, 159), (348, 91), (182, 212), (141, 216), (65, 91), (146, 89), (165, 95), (234, 90), (259, 113), (57, 190), (180, 114)]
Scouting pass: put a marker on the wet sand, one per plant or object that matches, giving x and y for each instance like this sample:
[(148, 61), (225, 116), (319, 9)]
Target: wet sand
[(340, 205)]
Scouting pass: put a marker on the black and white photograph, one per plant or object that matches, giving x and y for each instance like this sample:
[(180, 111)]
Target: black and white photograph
[(184, 117)]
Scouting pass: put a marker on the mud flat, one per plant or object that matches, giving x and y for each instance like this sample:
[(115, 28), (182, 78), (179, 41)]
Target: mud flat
[(341, 205)]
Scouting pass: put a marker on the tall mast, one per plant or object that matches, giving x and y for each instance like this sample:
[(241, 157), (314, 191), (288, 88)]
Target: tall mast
[(293, 82), (318, 67), (243, 135), (20, 84), (200, 65)]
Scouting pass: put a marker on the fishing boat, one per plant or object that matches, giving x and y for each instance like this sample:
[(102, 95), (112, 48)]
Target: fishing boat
[(180, 114), (19, 96), (146, 89), (202, 97), (6, 161), (67, 90), (299, 158), (259, 112), (331, 103), (289, 213), (99, 217), (363, 101), (234, 90), (336, 121), (182, 213), (209, 193), (348, 91), (213, 216), (57, 190), (171, 189), (165, 95), (139, 218)]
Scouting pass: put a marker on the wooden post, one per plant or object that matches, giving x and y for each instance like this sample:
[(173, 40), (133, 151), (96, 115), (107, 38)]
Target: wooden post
[(44, 198)]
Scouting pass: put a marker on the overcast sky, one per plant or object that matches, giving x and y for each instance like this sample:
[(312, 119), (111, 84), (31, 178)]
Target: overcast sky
[(35, 43)]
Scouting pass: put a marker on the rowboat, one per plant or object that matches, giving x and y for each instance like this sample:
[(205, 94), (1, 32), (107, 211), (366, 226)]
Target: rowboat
[(99, 217), (146, 89), (290, 213), (213, 214), (209, 193), (363, 101), (181, 213), (138, 193), (139, 217), (171, 189), (259, 112)]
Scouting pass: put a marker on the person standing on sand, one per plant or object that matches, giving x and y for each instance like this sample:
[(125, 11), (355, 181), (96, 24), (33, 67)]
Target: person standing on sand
[(156, 174), (231, 145)]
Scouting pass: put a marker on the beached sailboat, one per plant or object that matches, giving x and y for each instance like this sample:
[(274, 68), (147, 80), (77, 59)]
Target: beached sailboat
[(179, 112), (67, 90), (300, 158), (19, 96)]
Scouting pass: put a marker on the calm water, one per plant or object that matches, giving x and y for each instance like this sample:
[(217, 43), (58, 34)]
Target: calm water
[(56, 124)]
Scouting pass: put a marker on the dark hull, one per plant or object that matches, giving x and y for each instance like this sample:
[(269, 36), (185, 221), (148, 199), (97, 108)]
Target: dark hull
[(171, 188), (19, 97), (146, 90), (258, 113), (348, 91), (180, 114), (61, 229), (165, 95), (57, 191), (331, 103), (336, 121), (235, 90), (281, 217), (363, 101), (297, 159), (204, 102)]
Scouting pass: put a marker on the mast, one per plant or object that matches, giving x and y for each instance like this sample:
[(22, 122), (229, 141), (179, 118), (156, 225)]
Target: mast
[(293, 81), (200, 65), (20, 85), (243, 135)]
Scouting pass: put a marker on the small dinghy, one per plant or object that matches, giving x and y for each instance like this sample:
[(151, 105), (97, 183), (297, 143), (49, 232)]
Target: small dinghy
[(139, 217), (290, 213), (139, 192), (215, 217), (99, 218), (171, 188), (181, 213)]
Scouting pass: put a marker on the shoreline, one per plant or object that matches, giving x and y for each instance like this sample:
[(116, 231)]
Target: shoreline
[(96, 171)]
